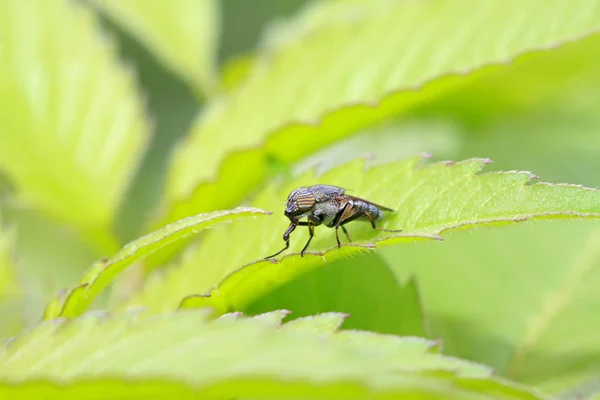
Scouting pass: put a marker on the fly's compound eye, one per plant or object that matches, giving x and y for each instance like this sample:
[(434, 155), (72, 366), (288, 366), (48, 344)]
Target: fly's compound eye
[(305, 201), (299, 202)]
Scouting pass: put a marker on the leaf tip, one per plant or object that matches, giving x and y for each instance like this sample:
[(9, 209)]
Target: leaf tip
[(231, 315), (272, 318)]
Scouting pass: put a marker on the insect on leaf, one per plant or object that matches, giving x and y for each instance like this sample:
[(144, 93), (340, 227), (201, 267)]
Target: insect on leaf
[(355, 91), (429, 199)]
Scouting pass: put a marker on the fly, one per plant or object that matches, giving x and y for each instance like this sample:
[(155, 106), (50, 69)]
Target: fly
[(330, 206)]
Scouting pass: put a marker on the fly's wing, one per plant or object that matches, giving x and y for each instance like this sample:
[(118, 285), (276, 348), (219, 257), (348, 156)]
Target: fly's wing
[(370, 202)]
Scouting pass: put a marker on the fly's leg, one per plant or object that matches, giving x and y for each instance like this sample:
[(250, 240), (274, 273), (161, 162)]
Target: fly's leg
[(311, 232), (342, 217), (287, 245), (286, 237), (372, 221), (346, 232)]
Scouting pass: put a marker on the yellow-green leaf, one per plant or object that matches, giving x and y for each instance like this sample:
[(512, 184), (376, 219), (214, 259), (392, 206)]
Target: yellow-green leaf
[(363, 287), (522, 300), (8, 279), (182, 34), (73, 123), (11, 296), (409, 64), (429, 199), (75, 301), (235, 358), (320, 87)]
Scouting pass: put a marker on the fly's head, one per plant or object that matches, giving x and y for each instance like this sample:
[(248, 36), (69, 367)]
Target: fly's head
[(300, 203)]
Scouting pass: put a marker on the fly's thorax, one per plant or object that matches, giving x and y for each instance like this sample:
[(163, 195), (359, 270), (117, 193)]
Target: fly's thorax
[(327, 210)]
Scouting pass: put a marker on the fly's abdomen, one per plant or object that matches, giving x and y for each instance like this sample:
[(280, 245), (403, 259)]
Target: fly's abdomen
[(373, 211)]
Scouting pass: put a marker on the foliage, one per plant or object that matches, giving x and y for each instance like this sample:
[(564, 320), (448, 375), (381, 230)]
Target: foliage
[(85, 126), (227, 357), (429, 200), (342, 92), (75, 302), (158, 27), (10, 292)]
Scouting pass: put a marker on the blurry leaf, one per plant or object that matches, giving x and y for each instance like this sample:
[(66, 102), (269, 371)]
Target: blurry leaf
[(520, 118), (182, 34), (428, 199), (46, 264), (235, 71), (11, 299), (281, 32), (73, 123), (321, 87), (389, 142), (589, 390), (8, 279), (362, 287), (74, 302), (522, 300), (324, 322), (232, 358)]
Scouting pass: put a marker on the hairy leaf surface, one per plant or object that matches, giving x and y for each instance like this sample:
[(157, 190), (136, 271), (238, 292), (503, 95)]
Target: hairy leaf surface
[(424, 41), (75, 301), (240, 357), (429, 199), (73, 124), (183, 35)]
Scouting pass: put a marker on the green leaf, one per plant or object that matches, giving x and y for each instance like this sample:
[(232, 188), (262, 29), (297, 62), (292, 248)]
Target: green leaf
[(76, 301), (355, 91), (183, 36), (325, 322), (589, 390), (521, 300), (281, 32), (8, 279), (10, 290), (428, 199), (73, 123), (232, 358), (48, 256), (363, 287), (547, 122)]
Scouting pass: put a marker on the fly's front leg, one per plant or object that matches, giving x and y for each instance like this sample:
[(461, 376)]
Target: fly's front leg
[(286, 237)]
